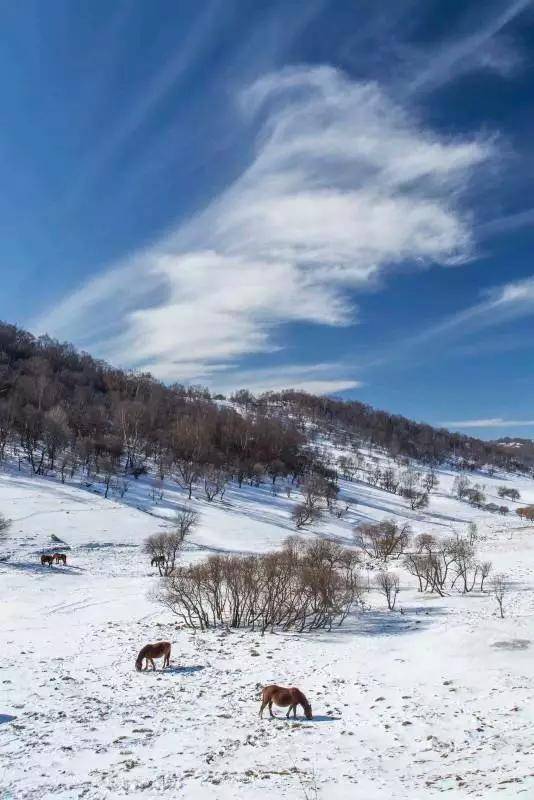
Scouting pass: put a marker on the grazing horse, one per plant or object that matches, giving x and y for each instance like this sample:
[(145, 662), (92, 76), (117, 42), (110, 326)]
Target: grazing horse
[(151, 651), (158, 561), (291, 697), (47, 560), (60, 557)]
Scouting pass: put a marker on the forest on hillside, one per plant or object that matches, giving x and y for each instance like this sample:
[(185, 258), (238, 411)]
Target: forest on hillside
[(63, 411)]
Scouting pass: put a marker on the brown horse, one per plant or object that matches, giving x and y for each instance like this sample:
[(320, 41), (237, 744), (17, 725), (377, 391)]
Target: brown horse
[(47, 560), (151, 651), (158, 561), (291, 697), (60, 557)]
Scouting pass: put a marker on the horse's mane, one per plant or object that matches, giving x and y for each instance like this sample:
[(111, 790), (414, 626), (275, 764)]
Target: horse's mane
[(302, 698)]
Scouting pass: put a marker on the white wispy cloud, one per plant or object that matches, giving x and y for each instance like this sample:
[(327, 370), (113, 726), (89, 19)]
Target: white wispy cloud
[(325, 378), (491, 422), (483, 47), (499, 304), (506, 223), (345, 186)]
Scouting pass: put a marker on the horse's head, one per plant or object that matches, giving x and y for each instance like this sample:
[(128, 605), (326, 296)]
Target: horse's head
[(139, 664), (307, 710)]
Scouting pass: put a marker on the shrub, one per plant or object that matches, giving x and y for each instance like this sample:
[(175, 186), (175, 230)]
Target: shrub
[(304, 586), (382, 540), (388, 584)]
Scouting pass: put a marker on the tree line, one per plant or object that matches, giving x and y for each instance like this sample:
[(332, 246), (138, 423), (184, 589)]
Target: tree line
[(359, 424), (65, 412)]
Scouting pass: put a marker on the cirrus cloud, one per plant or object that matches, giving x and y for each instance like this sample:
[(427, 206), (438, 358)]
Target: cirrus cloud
[(344, 187)]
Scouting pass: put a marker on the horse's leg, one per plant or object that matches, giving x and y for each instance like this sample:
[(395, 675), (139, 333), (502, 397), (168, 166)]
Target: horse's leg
[(295, 711), (263, 704), (271, 708), (153, 664)]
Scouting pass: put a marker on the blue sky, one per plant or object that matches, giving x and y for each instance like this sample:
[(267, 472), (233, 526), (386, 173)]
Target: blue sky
[(329, 194)]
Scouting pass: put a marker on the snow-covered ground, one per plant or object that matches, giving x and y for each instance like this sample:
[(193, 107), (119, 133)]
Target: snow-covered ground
[(437, 699)]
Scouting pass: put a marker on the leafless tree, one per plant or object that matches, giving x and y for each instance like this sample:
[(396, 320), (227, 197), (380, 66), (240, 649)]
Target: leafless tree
[(389, 480), (156, 489), (499, 587), (374, 474), (347, 466), (485, 569), (388, 584), (475, 495), (165, 548), (7, 422), (410, 481), (382, 540), (425, 543), (185, 522), (472, 533), (304, 514), (430, 481), (461, 486), (121, 486), (505, 491), (305, 586), (215, 482), (466, 567), (418, 500), (108, 471), (187, 474)]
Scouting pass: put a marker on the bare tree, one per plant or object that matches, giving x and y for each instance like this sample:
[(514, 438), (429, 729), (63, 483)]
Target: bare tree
[(6, 425), (418, 500), (382, 540), (472, 533), (187, 474), (485, 569), (185, 522), (430, 481), (215, 481), (409, 483), (157, 489), (499, 587), (512, 494), (425, 542), (461, 486), (389, 480), (388, 584), (475, 495), (463, 553), (108, 472), (165, 548), (121, 486), (304, 514), (304, 586), (348, 467)]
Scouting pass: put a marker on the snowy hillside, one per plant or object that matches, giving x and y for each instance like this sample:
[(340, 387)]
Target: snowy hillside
[(407, 705)]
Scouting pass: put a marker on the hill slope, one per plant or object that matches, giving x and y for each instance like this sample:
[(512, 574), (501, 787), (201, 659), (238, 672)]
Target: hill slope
[(438, 698)]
